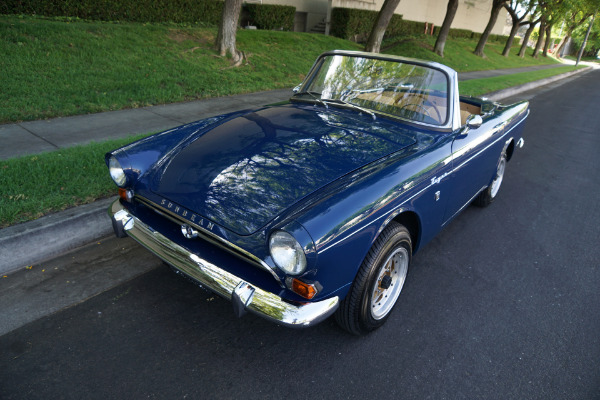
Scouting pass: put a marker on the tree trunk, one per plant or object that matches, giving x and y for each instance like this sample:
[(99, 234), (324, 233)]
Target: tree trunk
[(445, 29), (381, 24), (225, 43), (511, 38), (526, 39), (538, 45), (548, 39), (496, 6), (561, 46)]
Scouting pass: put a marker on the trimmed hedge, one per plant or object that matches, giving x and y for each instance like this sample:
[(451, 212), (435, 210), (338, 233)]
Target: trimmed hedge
[(353, 24), (267, 16), (503, 39), (412, 28), (206, 11), (455, 33), (467, 34)]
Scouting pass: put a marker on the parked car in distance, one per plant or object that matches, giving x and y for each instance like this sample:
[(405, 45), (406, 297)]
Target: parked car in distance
[(312, 208)]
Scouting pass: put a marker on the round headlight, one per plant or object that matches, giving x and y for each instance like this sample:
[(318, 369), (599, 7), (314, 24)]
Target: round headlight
[(116, 172), (287, 253)]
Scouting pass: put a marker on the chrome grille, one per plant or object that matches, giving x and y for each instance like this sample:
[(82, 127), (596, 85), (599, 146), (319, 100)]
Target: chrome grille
[(210, 237)]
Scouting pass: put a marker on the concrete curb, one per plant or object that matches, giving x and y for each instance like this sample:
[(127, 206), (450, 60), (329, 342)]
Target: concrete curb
[(47, 237), (512, 91), (36, 241)]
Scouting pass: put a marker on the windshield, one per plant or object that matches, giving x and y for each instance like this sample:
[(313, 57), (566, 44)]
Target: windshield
[(414, 92)]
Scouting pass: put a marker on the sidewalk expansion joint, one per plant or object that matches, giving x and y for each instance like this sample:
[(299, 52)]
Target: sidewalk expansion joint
[(38, 136), (179, 121)]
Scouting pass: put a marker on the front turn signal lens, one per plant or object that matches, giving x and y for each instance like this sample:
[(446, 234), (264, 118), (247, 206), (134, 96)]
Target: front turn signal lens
[(126, 194), (306, 290)]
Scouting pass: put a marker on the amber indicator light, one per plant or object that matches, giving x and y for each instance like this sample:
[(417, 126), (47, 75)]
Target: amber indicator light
[(125, 194), (303, 289)]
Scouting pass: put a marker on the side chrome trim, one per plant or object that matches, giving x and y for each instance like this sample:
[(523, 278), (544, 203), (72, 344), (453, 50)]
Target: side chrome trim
[(211, 237), (253, 299)]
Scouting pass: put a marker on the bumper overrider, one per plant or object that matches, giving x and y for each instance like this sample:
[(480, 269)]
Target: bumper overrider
[(243, 295)]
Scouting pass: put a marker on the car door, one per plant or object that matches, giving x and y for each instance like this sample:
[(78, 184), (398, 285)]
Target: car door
[(475, 155)]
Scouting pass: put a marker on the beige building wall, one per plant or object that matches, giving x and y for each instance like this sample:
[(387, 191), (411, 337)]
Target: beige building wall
[(471, 14)]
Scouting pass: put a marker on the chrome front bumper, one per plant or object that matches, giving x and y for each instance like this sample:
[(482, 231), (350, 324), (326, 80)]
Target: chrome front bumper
[(244, 296)]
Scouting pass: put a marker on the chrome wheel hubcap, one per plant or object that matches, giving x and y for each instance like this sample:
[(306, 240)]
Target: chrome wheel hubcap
[(389, 283), (499, 175)]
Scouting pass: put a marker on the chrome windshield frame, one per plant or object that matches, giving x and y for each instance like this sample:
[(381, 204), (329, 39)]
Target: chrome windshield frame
[(453, 121)]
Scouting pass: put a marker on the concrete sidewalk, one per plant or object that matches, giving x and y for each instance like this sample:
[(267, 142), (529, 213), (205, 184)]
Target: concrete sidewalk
[(39, 240)]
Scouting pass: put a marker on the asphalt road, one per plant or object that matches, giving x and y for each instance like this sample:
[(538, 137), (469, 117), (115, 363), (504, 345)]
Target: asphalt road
[(503, 304)]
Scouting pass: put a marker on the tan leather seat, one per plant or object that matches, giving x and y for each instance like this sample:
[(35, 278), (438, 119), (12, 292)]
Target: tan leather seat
[(463, 116)]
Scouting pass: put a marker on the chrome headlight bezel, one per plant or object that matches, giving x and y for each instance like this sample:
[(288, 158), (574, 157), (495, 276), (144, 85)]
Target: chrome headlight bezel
[(287, 253), (117, 173)]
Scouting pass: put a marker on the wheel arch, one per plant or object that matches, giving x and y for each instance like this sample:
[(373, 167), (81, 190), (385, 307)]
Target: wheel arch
[(410, 220), (509, 148)]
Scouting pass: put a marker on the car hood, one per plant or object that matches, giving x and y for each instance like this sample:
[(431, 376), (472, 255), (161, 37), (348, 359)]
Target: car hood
[(247, 170)]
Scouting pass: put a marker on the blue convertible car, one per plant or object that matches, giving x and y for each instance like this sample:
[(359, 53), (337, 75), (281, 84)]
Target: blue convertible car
[(315, 207)]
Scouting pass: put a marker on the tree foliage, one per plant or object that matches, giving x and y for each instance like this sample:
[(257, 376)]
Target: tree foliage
[(568, 14), (592, 46), (577, 12)]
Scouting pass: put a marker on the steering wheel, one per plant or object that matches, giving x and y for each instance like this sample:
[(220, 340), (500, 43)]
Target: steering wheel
[(425, 110)]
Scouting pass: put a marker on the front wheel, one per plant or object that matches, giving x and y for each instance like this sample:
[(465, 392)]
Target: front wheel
[(379, 282), (486, 197)]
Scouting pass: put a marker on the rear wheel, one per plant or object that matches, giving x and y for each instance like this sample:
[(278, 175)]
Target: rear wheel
[(379, 282), (486, 197)]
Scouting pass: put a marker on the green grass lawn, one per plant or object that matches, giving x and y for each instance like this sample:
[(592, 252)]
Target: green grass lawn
[(56, 68), (458, 54), (33, 186), (53, 68), (478, 87), (587, 59)]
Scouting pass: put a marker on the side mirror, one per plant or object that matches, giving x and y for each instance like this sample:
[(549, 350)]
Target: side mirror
[(474, 121), (296, 89)]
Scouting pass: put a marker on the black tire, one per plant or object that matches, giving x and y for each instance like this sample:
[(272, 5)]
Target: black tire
[(378, 283), (490, 193)]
